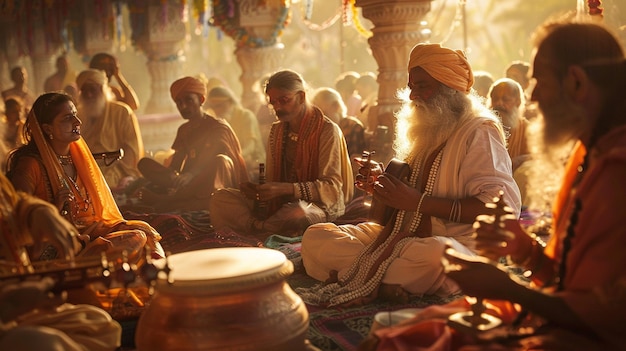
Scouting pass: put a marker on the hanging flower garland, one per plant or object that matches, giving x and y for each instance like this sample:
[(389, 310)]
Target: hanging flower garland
[(354, 16), (226, 16), (199, 13), (594, 7), (325, 25)]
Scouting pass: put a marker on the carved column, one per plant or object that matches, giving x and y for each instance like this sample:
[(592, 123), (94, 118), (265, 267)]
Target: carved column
[(42, 57), (164, 49), (256, 63), (255, 27), (396, 30), (95, 30), (10, 53)]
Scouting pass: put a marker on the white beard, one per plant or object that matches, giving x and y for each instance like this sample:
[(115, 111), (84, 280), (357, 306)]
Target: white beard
[(92, 109), (551, 141), (510, 119), (429, 124)]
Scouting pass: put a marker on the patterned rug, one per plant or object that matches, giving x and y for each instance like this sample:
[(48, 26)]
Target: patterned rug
[(330, 329), (343, 329)]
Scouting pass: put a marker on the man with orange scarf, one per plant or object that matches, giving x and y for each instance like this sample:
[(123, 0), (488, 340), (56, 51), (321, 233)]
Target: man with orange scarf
[(577, 297), (309, 177)]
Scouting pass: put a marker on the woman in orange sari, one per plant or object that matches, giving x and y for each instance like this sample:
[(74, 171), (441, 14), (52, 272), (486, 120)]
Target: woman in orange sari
[(57, 166)]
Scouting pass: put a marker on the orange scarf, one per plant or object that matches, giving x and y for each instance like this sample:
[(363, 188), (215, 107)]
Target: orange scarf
[(106, 209), (563, 203), (307, 149)]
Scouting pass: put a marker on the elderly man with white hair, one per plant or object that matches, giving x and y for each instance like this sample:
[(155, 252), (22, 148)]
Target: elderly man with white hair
[(458, 161), (108, 125)]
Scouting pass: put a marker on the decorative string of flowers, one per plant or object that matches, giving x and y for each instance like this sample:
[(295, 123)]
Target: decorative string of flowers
[(226, 16), (354, 18), (325, 25)]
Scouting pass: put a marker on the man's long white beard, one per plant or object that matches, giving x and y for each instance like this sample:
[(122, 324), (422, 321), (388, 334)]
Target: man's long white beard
[(92, 109), (551, 144), (428, 125), (510, 119)]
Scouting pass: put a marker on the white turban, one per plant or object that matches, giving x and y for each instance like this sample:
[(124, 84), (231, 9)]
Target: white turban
[(450, 67), (91, 75)]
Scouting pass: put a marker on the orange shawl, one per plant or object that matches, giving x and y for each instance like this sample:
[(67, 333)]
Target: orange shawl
[(307, 150), (105, 207)]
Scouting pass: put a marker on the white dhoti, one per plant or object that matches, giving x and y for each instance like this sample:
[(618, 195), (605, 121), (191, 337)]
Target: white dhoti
[(418, 269)]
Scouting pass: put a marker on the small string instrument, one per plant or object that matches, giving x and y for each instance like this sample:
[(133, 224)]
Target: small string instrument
[(109, 272), (379, 213), (476, 320)]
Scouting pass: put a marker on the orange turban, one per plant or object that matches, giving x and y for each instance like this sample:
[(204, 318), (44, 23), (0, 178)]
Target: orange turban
[(94, 76), (188, 85), (450, 67)]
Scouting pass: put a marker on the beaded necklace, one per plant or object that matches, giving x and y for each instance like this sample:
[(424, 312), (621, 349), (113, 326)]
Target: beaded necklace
[(82, 201), (65, 160), (567, 240), (359, 281)]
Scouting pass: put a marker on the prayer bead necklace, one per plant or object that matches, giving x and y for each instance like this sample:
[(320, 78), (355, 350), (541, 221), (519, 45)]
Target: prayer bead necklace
[(355, 284)]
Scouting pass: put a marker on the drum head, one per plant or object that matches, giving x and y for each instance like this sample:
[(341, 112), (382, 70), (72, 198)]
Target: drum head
[(222, 270)]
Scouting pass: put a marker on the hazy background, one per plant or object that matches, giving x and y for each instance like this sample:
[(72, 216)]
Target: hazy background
[(493, 33)]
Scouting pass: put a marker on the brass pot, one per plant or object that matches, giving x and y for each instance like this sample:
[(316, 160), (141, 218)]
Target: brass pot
[(224, 299)]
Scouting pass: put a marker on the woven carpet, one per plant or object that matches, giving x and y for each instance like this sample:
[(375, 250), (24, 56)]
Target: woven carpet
[(343, 329), (330, 329)]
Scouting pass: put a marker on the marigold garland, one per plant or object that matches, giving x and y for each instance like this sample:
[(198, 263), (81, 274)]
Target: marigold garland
[(226, 16), (357, 22)]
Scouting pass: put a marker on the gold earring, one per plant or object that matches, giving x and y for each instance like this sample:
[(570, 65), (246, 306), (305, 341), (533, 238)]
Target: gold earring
[(51, 137)]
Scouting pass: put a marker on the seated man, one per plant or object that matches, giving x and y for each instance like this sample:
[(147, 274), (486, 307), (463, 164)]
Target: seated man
[(577, 297), (309, 178), (20, 88), (244, 123), (332, 105), (108, 126), (506, 97), (13, 122), (109, 64), (64, 78), (207, 156), (458, 162)]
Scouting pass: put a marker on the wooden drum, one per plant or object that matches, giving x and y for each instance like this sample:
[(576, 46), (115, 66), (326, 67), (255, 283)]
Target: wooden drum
[(232, 298)]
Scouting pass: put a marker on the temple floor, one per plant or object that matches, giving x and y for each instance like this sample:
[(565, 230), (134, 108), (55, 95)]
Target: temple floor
[(330, 328)]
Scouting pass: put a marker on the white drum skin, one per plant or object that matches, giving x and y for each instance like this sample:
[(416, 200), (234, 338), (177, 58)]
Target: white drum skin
[(224, 299)]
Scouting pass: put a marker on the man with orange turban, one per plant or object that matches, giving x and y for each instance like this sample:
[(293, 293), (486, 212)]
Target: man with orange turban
[(207, 156), (458, 161)]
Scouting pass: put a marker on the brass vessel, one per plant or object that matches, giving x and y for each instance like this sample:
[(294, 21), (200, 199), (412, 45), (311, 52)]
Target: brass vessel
[(224, 299)]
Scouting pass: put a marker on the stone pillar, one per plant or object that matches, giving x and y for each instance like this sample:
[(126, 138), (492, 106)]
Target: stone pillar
[(164, 49), (396, 30), (257, 30), (10, 55), (96, 28), (42, 59), (256, 63)]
